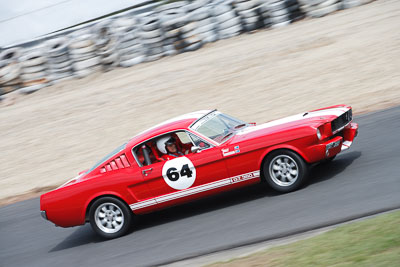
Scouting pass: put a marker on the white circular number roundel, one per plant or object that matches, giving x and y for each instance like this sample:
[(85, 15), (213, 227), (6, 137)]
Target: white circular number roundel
[(179, 173)]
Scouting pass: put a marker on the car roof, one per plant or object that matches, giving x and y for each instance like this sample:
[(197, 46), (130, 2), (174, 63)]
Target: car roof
[(177, 123)]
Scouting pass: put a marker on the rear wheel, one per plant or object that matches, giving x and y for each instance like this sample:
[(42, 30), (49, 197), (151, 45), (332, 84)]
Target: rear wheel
[(110, 217), (285, 171)]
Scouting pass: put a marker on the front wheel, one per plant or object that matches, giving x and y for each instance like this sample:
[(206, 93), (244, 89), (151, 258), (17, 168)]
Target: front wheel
[(110, 217), (285, 171)]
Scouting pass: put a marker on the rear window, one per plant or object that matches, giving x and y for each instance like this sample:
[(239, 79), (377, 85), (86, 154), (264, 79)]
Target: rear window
[(114, 152)]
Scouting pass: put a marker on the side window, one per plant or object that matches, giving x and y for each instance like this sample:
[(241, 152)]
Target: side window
[(148, 152), (183, 137), (145, 154), (197, 141)]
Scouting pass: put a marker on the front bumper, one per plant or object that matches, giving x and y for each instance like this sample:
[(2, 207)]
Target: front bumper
[(349, 133), (341, 143), (333, 146)]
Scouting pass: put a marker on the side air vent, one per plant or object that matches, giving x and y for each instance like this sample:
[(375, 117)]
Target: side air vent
[(120, 162)]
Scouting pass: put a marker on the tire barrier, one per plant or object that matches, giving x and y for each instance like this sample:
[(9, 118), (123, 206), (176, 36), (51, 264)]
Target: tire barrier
[(279, 13), (228, 22), (151, 36), (128, 45), (58, 60), (320, 8), (172, 18), (250, 14), (191, 40), (295, 12), (200, 13), (10, 70), (82, 50), (167, 29), (105, 45), (353, 3), (34, 73)]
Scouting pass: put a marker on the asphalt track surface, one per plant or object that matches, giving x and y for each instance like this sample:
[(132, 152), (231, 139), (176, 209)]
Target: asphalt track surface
[(361, 181)]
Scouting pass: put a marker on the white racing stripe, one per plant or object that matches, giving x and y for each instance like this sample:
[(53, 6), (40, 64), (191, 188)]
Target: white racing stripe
[(195, 190), (319, 113), (143, 204)]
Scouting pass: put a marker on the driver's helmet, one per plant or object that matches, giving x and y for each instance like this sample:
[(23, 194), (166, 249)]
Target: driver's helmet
[(163, 142)]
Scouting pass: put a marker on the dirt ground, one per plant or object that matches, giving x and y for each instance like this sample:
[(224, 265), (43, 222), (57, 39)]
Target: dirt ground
[(350, 57)]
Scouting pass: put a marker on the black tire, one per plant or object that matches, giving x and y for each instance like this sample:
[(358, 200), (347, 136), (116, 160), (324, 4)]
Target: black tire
[(117, 217), (285, 171)]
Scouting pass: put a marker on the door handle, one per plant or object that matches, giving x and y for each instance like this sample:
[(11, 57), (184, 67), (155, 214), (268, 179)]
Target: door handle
[(146, 170)]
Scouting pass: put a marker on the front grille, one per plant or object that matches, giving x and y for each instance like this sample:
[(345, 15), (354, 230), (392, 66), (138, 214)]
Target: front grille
[(339, 133), (341, 121)]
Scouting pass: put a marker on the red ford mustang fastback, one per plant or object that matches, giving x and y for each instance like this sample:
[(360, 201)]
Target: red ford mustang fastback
[(195, 155)]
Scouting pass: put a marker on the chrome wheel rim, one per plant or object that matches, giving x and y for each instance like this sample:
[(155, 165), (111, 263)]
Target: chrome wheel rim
[(283, 170), (109, 218)]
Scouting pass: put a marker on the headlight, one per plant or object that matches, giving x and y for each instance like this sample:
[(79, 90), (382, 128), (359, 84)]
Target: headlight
[(319, 134)]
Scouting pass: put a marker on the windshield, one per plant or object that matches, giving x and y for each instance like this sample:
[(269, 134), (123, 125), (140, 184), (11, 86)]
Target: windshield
[(115, 151), (218, 126)]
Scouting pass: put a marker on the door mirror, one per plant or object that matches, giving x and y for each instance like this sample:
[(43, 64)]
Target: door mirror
[(195, 149)]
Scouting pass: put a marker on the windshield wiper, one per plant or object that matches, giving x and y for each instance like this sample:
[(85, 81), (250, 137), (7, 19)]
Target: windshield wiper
[(240, 126), (226, 136)]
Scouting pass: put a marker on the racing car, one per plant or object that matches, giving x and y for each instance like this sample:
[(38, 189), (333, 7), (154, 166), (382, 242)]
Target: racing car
[(193, 156)]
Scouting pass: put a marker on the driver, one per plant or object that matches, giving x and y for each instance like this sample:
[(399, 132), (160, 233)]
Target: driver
[(167, 146)]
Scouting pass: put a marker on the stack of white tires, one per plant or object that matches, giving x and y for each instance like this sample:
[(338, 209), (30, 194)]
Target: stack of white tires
[(166, 30), (58, 60), (250, 14), (275, 13), (294, 10), (353, 3), (105, 43), (320, 8), (129, 47), (83, 53), (34, 73), (191, 41), (151, 36), (10, 70), (172, 18), (229, 24), (200, 12)]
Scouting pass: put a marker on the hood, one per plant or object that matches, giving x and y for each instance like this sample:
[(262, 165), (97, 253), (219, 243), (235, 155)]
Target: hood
[(308, 119)]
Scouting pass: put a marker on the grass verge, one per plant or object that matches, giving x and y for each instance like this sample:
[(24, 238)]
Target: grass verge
[(373, 242)]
